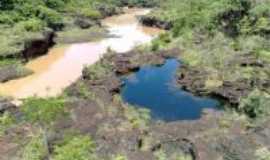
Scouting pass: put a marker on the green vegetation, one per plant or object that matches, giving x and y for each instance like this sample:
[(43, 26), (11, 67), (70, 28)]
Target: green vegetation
[(262, 154), (36, 148), (6, 121), (75, 148), (98, 70), (43, 111), (218, 36), (22, 21), (256, 105), (120, 157)]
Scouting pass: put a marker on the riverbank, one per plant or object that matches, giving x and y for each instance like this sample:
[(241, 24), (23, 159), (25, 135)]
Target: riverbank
[(46, 79), (93, 106), (27, 35)]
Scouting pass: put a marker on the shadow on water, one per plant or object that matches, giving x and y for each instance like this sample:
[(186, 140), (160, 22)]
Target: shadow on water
[(154, 87)]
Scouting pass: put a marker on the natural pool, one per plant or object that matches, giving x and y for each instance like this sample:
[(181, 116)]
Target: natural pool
[(154, 87)]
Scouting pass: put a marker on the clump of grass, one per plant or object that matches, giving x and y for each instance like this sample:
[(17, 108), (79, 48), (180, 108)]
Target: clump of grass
[(75, 148), (97, 71), (120, 157), (36, 148), (138, 117), (262, 153), (43, 110), (256, 105), (6, 121)]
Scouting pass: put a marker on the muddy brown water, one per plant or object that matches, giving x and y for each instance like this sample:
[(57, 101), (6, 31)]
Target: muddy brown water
[(63, 65)]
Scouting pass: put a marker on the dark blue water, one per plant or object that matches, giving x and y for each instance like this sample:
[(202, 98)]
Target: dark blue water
[(154, 87)]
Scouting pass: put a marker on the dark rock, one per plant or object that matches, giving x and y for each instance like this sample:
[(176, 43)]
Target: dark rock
[(12, 72), (40, 46), (123, 64), (107, 11), (6, 105), (247, 60), (169, 53), (193, 80), (84, 23), (154, 22), (233, 91)]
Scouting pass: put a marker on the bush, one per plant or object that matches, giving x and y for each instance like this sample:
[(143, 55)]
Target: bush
[(256, 105), (31, 25), (90, 13), (55, 4), (36, 148), (76, 148), (6, 120), (51, 17), (43, 111), (262, 154)]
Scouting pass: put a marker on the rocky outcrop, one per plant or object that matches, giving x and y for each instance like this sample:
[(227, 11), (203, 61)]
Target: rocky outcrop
[(154, 22), (85, 23), (107, 11), (6, 105), (38, 46), (12, 72)]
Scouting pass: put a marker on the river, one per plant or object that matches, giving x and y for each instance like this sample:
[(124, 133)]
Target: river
[(63, 65)]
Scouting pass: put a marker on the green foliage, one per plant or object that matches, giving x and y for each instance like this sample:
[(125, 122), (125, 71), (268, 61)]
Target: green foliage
[(43, 111), (120, 157), (55, 4), (36, 148), (256, 105), (262, 154), (76, 148), (162, 41), (31, 25), (50, 16), (138, 117), (97, 71), (6, 120)]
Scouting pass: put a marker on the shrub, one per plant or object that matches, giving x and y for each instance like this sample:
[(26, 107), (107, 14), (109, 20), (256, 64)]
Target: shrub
[(6, 120), (138, 117), (55, 4), (43, 111), (76, 148), (90, 13), (97, 71), (162, 41), (120, 157), (32, 25), (262, 154), (36, 148), (256, 105), (51, 17)]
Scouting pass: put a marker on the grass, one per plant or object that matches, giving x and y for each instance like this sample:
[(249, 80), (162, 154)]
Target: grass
[(43, 111), (256, 105), (262, 153), (36, 148), (75, 35), (75, 148), (6, 121), (98, 70)]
